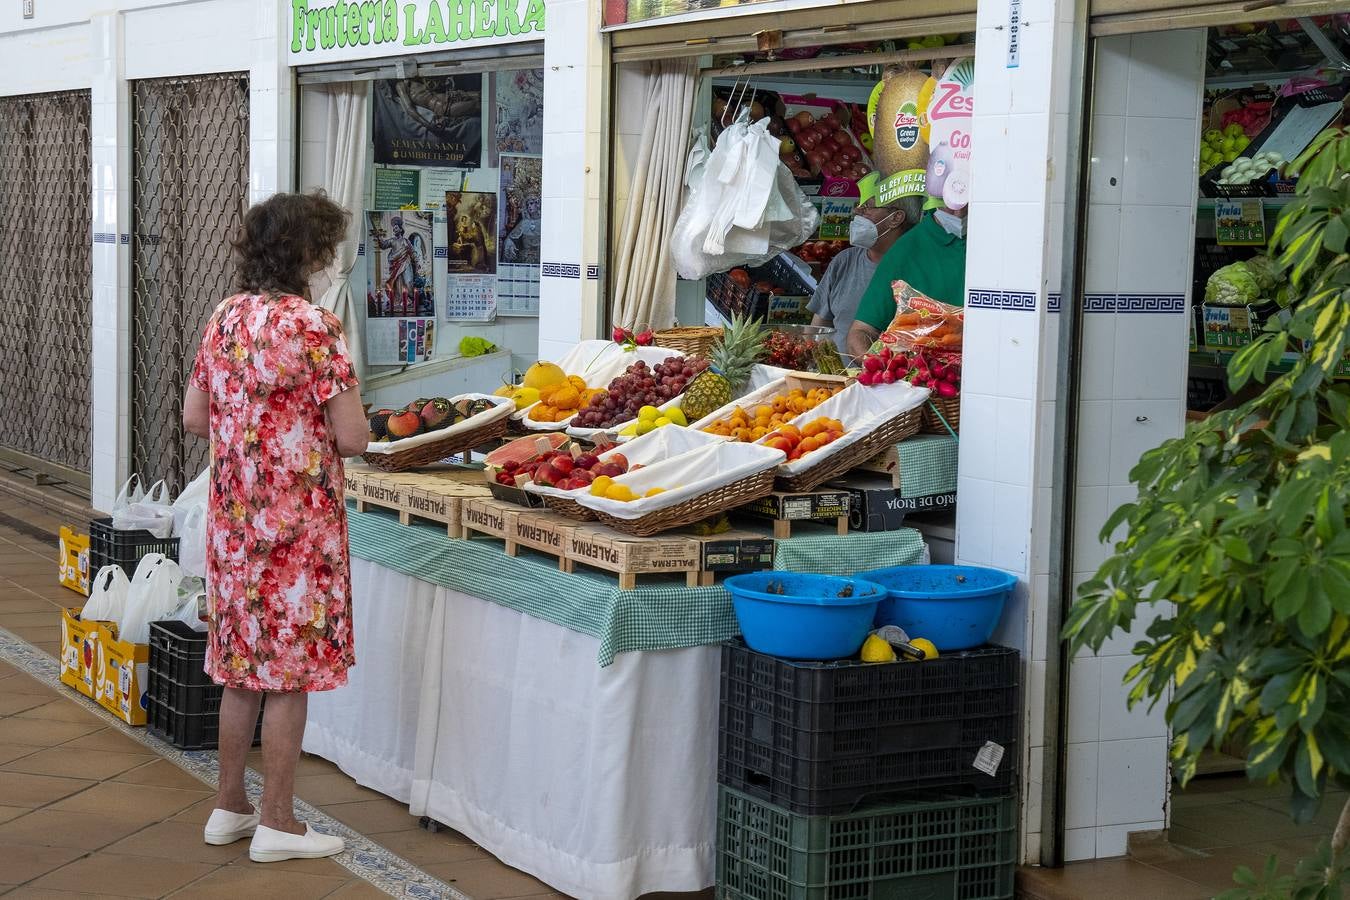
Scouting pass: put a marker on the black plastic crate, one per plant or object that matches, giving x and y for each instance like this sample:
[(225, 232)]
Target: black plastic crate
[(114, 546), (184, 701), (824, 737), (939, 849)]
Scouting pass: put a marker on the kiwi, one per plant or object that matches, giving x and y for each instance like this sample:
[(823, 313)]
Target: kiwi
[(898, 146)]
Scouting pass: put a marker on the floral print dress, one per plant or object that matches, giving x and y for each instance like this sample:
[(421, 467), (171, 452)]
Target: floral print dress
[(278, 582)]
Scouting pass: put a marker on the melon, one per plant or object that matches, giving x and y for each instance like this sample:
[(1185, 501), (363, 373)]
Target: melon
[(522, 450), (542, 374)]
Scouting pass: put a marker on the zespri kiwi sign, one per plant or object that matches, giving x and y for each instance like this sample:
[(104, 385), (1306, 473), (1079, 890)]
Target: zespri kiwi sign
[(921, 134), (336, 30)]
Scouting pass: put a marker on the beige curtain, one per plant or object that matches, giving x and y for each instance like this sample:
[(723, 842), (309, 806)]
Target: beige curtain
[(345, 182), (644, 276)]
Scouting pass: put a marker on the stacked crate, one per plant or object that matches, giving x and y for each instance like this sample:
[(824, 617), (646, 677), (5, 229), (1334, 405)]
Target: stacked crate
[(856, 781)]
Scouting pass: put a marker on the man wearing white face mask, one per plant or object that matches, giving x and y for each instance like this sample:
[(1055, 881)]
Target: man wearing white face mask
[(872, 232), (930, 257)]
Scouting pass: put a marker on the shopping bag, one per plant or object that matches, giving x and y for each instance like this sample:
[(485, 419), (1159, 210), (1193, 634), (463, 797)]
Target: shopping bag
[(192, 543), (194, 495), (153, 512), (189, 612), (153, 595), (131, 492), (107, 596)]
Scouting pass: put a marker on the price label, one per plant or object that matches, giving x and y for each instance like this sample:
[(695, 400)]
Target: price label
[(1240, 223)]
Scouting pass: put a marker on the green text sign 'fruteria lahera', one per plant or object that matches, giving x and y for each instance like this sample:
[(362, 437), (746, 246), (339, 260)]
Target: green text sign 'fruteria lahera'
[(334, 31)]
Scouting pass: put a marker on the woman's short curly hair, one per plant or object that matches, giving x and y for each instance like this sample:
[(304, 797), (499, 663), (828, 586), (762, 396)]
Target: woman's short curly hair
[(284, 238)]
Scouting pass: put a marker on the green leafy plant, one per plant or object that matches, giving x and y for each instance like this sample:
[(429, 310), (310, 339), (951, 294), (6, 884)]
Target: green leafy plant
[(1238, 543)]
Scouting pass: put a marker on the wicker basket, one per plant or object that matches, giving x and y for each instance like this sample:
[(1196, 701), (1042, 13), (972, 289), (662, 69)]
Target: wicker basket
[(434, 451), (692, 341), (718, 500), (568, 508), (887, 435), (949, 407)]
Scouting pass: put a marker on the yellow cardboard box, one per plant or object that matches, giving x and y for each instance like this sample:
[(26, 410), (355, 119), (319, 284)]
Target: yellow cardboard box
[(74, 561), (81, 655), (125, 676), (112, 672)]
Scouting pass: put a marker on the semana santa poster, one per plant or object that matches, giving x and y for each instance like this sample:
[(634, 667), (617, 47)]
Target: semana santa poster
[(520, 111), (471, 232), (518, 209), (432, 120)]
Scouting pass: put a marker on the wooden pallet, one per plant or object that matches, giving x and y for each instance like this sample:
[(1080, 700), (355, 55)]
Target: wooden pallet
[(432, 495), (785, 507), (698, 558)]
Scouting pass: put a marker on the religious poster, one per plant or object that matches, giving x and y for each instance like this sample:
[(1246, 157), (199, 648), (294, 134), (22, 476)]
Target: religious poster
[(399, 249), (520, 111), (471, 232), (434, 120), (518, 209)]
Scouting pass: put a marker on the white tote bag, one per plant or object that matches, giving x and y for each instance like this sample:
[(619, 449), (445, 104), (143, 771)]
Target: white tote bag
[(153, 513), (107, 596), (153, 595), (192, 542), (193, 496)]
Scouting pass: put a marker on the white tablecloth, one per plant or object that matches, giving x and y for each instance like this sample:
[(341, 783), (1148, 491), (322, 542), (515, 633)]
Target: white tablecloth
[(599, 782)]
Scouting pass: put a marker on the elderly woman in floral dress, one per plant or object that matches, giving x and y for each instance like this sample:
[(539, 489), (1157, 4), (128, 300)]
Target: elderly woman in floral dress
[(273, 389)]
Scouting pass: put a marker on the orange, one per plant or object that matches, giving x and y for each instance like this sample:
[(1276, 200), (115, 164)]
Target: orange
[(811, 429)]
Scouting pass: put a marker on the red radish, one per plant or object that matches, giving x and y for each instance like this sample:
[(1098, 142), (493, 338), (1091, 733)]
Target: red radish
[(871, 363), (946, 389), (867, 377), (888, 377)]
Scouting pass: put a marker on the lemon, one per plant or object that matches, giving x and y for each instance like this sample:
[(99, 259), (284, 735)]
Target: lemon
[(874, 649), (676, 416), (648, 414), (654, 491), (629, 431), (620, 492), (661, 422), (600, 485), (645, 426), (929, 651), (525, 396)]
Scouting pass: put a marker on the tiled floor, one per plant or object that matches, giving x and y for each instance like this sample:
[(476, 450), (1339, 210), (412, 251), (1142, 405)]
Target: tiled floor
[(86, 811), (1218, 824)]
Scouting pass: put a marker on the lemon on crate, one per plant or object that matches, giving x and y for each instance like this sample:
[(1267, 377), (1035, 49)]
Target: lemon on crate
[(600, 485), (877, 649), (924, 645)]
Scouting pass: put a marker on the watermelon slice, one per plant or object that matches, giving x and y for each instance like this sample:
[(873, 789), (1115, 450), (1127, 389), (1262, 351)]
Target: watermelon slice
[(522, 450)]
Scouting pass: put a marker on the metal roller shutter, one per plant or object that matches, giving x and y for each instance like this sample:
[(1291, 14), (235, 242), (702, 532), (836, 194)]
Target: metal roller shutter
[(1131, 16)]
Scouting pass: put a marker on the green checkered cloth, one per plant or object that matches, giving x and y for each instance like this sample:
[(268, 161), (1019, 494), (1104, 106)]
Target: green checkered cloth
[(927, 465), (661, 613), (848, 554)]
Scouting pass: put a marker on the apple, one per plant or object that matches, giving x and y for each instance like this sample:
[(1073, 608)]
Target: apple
[(611, 469), (620, 460), (586, 461)]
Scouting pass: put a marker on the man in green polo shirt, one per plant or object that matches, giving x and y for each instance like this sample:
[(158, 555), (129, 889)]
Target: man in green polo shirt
[(931, 257)]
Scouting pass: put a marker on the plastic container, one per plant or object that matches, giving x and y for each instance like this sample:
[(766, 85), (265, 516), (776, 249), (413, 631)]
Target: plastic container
[(184, 703), (825, 737), (809, 619), (113, 546), (945, 849), (955, 607)]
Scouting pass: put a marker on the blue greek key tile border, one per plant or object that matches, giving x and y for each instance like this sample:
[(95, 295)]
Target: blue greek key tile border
[(104, 237), (559, 270), (1022, 301), (441, 252), (593, 273), (1126, 303), (363, 857), (126, 238), (361, 249)]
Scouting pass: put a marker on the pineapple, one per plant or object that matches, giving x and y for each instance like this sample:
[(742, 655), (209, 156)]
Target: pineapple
[(739, 348)]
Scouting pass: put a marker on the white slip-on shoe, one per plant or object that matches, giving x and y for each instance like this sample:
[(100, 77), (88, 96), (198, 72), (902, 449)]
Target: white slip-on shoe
[(270, 845), (225, 827)]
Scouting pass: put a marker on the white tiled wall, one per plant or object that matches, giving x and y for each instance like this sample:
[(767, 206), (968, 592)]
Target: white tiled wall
[(1142, 192)]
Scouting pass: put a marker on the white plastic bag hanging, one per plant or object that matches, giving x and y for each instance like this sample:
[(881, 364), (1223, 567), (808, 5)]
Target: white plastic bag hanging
[(698, 159), (153, 512), (107, 595), (193, 496), (153, 595), (131, 492), (745, 208), (189, 612), (192, 543)]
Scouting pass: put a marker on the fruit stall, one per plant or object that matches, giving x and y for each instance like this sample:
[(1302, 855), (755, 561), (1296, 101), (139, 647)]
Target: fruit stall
[(558, 560)]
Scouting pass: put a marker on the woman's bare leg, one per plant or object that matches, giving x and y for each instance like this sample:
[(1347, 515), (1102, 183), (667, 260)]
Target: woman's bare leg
[(238, 720), (283, 729)]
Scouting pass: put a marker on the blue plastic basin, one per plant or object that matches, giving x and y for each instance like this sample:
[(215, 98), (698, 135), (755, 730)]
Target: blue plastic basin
[(809, 620), (955, 607)]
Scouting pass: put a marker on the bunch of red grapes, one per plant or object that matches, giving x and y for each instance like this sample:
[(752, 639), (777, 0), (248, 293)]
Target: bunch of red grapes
[(637, 387)]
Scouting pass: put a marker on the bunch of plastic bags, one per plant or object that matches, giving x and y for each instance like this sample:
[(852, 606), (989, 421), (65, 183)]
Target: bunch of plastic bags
[(152, 594), (743, 207), (184, 518)]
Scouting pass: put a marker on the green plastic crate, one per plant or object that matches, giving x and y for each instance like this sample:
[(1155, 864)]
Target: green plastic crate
[(950, 849)]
